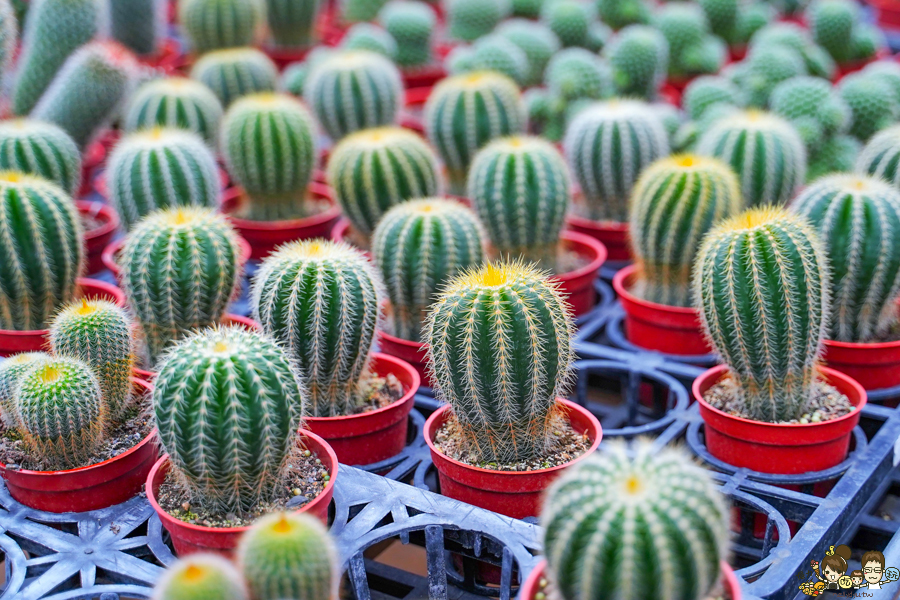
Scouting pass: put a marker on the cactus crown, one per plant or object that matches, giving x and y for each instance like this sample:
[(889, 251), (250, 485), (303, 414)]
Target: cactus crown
[(200, 577), (175, 102), (41, 149), (11, 371), (236, 72)]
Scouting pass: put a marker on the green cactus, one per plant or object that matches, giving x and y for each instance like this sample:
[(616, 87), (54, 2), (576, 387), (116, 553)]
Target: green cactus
[(175, 102), (419, 246), (707, 91), (691, 48), (372, 170), (761, 285), (660, 520), (289, 555), (496, 53), (752, 17), (295, 74), (880, 157), (354, 90), (832, 23), (269, 146), (9, 34), (54, 30), (371, 38), (218, 24), (674, 204), (88, 90), (818, 62), (888, 71), (357, 11), (227, 403), (599, 35), (570, 20), (60, 412), (607, 146), (857, 219), (868, 40), (839, 154), (161, 168), (537, 42), (813, 107), (872, 104), (575, 74), (138, 24), (468, 20), (499, 340), (722, 16), (411, 24), (236, 72), (41, 250), (179, 271), (465, 112), (527, 9), (40, 149), (292, 24), (764, 68), (11, 371), (321, 300), (639, 56), (200, 577), (619, 14)]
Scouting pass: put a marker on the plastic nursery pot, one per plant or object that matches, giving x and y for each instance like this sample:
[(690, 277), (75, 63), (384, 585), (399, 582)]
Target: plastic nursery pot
[(96, 239), (516, 494), (188, 538), (87, 488), (282, 57), (887, 13), (423, 77), (578, 285), (613, 235), (412, 353), (265, 236), (669, 329), (778, 448), (34, 340), (373, 436)]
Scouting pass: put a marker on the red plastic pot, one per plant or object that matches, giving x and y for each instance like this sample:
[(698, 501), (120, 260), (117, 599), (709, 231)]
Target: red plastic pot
[(282, 57), (35, 340), (412, 353), (423, 77), (97, 239), (888, 13), (87, 488), (613, 235), (516, 494), (371, 437), (188, 538), (578, 285), (265, 236), (874, 366), (778, 448), (669, 329)]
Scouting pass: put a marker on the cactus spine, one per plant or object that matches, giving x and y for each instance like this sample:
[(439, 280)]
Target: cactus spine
[(200, 577), (504, 399), (858, 220), (411, 24), (138, 24), (41, 149), (761, 285), (217, 24), (11, 371), (372, 170), (236, 72), (289, 555), (642, 508), (881, 156), (321, 300), (176, 102), (179, 270), (227, 404), (419, 246), (674, 204), (292, 24)]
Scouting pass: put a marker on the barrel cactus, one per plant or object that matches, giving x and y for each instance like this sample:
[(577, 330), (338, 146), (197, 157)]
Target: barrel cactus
[(11, 371), (412, 25), (639, 56), (468, 20), (419, 246), (176, 102), (236, 72), (295, 75), (227, 403), (888, 71), (292, 24), (41, 250), (321, 300), (707, 91), (269, 145), (813, 107), (40, 149), (372, 170), (200, 577), (660, 519), (872, 103), (492, 53), (881, 156), (138, 24), (289, 555), (371, 38), (536, 40), (773, 344), (179, 271), (217, 24)]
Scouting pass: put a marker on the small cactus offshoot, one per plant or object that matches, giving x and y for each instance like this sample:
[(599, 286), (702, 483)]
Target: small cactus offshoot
[(200, 577)]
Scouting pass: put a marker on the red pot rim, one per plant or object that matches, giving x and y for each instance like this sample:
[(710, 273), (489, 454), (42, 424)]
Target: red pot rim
[(863, 346), (93, 155), (574, 241), (233, 194), (624, 279), (611, 226), (108, 257), (413, 346), (418, 95), (102, 210)]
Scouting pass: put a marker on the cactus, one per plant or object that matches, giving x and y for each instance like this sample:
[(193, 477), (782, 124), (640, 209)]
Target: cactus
[(11, 371), (9, 33), (179, 271), (219, 24), (764, 150), (41, 250), (54, 30), (289, 555), (619, 14), (357, 11), (372, 170), (295, 74), (835, 155), (292, 24), (867, 41), (660, 520), (138, 24), (674, 204), (575, 73), (599, 35), (570, 20), (818, 62), (468, 20), (40, 149), (707, 91), (607, 146), (887, 71), (537, 42), (371, 38), (88, 90), (764, 68), (686, 29), (832, 23), (465, 112), (419, 246), (496, 53), (270, 149), (354, 90), (813, 107), (175, 102), (519, 187), (504, 400), (528, 9), (761, 285), (752, 17), (639, 56), (858, 220), (200, 577), (236, 72), (161, 168), (872, 104), (722, 16), (321, 300), (881, 156), (227, 404), (60, 412), (411, 24)]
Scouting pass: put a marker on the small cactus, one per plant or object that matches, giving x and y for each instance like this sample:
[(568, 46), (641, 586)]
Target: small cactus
[(858, 220), (289, 555), (236, 72), (419, 246), (764, 68), (40, 149), (570, 20), (372, 170), (707, 91), (11, 371), (295, 74), (881, 156), (530, 9), (468, 20), (639, 56), (227, 404), (179, 271), (321, 300), (492, 53), (692, 49), (872, 104), (357, 11), (839, 154), (537, 42), (139, 25), (200, 577), (832, 23), (219, 24), (577, 74), (813, 107), (817, 60), (619, 14), (354, 90), (175, 102), (772, 344), (412, 25), (370, 38), (292, 24), (887, 71)]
